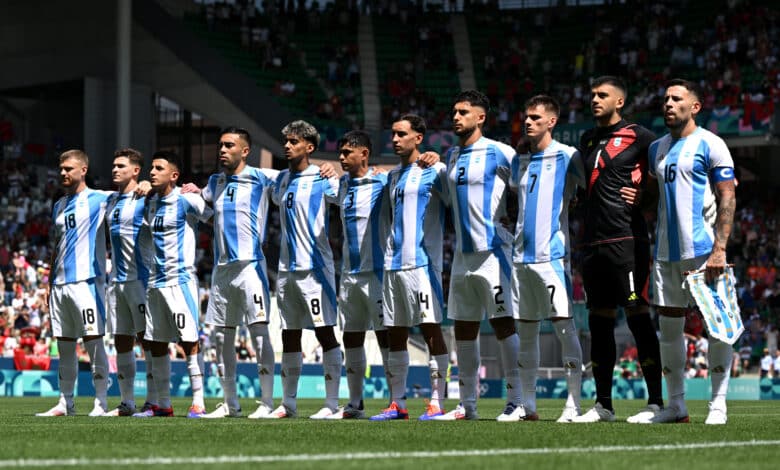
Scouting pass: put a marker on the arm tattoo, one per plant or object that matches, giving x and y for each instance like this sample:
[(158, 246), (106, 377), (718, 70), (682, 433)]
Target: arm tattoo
[(727, 203)]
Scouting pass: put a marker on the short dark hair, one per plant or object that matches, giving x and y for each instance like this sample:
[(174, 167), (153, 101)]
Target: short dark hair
[(692, 87), (548, 102), (135, 157), (240, 131), (474, 98), (610, 80), (416, 122), (356, 138), (168, 156)]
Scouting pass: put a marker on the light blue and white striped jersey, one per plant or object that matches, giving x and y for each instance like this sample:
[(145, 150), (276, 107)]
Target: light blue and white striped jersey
[(685, 169), (546, 182), (80, 236), (365, 230), (477, 176), (303, 199), (173, 221), (416, 197), (240, 204), (130, 242)]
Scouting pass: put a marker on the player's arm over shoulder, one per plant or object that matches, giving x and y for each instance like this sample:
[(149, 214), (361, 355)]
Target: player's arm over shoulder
[(197, 206), (331, 188), (505, 154), (277, 189), (269, 173)]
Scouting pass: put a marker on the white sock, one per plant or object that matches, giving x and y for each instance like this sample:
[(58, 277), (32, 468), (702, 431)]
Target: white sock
[(331, 364), (673, 356), (720, 355), (151, 390), (219, 348), (196, 380), (229, 361), (398, 366), (125, 372), (68, 370), (264, 354), (528, 359), (468, 372), (509, 349), (161, 369), (355, 362), (571, 352), (438, 365), (99, 360), (291, 372), (385, 352)]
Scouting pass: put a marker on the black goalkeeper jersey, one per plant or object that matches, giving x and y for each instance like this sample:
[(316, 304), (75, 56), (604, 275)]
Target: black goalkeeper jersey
[(614, 157)]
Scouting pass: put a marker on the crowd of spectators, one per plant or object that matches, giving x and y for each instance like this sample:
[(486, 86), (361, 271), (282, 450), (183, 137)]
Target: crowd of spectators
[(274, 32), (25, 207), (731, 51), (425, 39)]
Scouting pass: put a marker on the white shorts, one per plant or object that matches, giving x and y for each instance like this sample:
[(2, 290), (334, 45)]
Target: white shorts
[(126, 308), (306, 299), (78, 309), (360, 302), (412, 296), (239, 294), (542, 290), (669, 288), (480, 283), (173, 313)]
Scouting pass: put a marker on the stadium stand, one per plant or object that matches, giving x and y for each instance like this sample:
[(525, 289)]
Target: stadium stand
[(308, 59)]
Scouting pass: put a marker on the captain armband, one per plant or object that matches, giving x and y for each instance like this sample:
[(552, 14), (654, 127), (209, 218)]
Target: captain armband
[(722, 174)]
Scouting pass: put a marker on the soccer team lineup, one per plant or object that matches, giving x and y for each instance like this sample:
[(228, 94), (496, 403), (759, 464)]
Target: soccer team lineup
[(393, 226)]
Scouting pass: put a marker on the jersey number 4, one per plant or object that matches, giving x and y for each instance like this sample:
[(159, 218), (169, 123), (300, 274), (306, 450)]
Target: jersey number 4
[(230, 192)]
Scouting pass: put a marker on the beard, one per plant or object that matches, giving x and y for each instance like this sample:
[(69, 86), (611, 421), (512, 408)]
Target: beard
[(465, 132)]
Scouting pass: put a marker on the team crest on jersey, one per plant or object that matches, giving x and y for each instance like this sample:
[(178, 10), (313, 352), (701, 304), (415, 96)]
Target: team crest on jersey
[(617, 141)]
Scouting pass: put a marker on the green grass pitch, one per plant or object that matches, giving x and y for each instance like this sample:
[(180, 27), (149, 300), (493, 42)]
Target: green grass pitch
[(750, 440)]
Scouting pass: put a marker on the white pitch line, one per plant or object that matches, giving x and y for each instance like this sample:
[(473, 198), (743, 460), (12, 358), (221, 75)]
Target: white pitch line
[(233, 459)]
